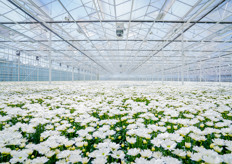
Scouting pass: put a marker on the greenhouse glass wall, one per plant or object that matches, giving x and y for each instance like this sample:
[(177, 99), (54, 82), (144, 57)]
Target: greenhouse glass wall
[(115, 81)]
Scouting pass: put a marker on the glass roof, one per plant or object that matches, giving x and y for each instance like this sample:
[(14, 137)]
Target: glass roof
[(156, 35)]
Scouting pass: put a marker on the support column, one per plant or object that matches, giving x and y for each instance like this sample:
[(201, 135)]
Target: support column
[(50, 59), (162, 69), (19, 68), (91, 74), (98, 75), (219, 71), (182, 58), (79, 75), (72, 73), (37, 71), (200, 72)]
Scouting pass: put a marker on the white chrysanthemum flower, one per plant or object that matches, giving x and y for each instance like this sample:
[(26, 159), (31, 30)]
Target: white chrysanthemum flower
[(63, 154), (219, 142), (79, 144), (168, 144), (157, 154), (75, 158), (69, 143), (217, 149), (215, 159), (131, 140), (39, 160), (146, 153), (4, 150), (118, 154), (170, 160), (227, 158), (157, 142), (100, 160), (70, 130), (141, 160), (133, 152), (42, 149), (114, 146), (180, 153), (50, 154), (18, 156), (103, 152), (85, 160)]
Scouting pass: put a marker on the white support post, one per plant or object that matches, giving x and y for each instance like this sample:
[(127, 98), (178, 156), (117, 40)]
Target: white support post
[(182, 58), (50, 59), (37, 72), (200, 71), (91, 73), (79, 75), (98, 75), (18, 68), (72, 73), (219, 71), (162, 69)]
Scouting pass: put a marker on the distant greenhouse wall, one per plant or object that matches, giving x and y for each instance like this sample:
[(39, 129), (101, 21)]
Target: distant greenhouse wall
[(11, 71)]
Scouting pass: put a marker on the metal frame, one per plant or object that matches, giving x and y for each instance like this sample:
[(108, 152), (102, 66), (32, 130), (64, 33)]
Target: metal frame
[(154, 35)]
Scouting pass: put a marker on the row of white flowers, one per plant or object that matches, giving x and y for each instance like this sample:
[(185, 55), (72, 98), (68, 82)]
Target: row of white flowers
[(115, 122)]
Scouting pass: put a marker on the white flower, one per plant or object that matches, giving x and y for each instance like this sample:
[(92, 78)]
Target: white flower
[(219, 142), (179, 153), (18, 156), (227, 158), (5, 150), (69, 143), (103, 152), (214, 159), (75, 158), (146, 153), (157, 142), (50, 154), (118, 154), (100, 160), (141, 160), (157, 154), (39, 160), (114, 146), (42, 149), (63, 154), (79, 144), (170, 160), (168, 144), (133, 152), (131, 140), (217, 149), (84, 160), (70, 130)]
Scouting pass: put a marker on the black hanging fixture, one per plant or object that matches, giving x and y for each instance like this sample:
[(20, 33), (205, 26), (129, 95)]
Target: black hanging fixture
[(18, 53)]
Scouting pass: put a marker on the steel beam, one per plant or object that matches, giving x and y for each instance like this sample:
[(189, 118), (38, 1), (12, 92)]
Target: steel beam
[(123, 40), (121, 21), (129, 50)]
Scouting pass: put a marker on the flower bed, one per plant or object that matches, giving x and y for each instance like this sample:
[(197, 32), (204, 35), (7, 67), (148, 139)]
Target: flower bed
[(110, 122)]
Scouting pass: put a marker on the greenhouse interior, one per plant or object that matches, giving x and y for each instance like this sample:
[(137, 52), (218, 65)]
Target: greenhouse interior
[(116, 81)]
